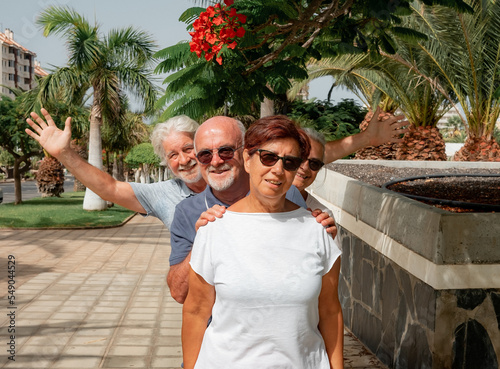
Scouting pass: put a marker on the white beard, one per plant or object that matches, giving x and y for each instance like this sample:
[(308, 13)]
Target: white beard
[(221, 185), (191, 176)]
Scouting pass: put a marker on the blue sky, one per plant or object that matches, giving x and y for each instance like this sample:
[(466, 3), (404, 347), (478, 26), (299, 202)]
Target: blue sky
[(158, 17)]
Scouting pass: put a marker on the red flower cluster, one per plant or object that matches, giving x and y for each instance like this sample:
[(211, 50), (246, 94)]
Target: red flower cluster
[(216, 27)]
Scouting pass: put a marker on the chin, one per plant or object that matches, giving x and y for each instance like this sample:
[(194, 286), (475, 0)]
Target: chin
[(221, 184), (191, 177)]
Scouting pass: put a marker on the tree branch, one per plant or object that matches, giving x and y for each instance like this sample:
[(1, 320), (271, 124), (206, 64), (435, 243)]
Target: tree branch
[(306, 27)]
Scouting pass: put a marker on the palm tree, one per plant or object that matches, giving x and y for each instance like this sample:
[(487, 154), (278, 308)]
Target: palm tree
[(50, 174), (353, 71), (105, 67), (391, 84), (119, 138), (418, 100), (465, 49)]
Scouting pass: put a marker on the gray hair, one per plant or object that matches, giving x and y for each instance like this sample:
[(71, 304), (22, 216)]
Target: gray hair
[(316, 136), (242, 129), (180, 123)]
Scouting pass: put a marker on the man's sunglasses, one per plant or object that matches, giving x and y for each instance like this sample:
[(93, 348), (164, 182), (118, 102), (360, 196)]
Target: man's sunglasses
[(269, 158), (315, 164), (224, 152)]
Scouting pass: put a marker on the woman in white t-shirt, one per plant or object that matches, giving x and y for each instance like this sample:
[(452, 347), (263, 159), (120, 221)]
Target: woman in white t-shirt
[(267, 273), (309, 169)]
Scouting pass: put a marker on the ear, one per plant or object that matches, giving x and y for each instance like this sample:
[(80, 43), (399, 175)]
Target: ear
[(246, 160)]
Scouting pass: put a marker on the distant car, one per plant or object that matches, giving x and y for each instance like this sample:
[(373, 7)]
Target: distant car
[(1, 196)]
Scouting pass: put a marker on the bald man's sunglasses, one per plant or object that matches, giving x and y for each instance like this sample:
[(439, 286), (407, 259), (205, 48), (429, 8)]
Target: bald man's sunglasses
[(269, 158), (224, 152)]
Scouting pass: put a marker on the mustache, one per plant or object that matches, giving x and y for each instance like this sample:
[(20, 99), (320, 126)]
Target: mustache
[(224, 166), (189, 165)]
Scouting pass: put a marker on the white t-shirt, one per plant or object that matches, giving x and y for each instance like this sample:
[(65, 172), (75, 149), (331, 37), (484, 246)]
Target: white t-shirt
[(267, 271)]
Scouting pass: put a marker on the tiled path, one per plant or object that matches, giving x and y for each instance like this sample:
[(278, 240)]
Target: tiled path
[(97, 299)]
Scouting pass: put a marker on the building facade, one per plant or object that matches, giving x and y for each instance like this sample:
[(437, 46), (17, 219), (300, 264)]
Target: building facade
[(18, 66)]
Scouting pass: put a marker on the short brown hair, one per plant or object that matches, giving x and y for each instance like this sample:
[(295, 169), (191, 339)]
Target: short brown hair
[(276, 127)]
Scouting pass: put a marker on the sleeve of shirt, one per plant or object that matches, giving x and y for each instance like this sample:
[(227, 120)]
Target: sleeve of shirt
[(201, 257), (331, 250), (145, 195), (182, 234)]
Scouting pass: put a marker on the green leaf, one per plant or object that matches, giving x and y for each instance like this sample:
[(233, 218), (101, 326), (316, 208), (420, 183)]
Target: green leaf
[(408, 34), (175, 57), (191, 14)]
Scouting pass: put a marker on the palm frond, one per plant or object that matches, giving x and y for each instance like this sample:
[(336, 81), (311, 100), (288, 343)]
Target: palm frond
[(140, 83), (175, 57), (61, 20), (190, 15), (132, 44), (465, 48)]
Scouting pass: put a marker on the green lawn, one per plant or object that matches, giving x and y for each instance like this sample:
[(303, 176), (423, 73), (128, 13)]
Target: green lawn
[(65, 211)]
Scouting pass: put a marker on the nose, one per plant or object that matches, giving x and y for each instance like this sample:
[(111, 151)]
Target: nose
[(216, 160), (278, 167), (184, 158), (305, 165)]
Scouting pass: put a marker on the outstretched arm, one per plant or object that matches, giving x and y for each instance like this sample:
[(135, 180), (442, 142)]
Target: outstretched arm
[(377, 133), (57, 143)]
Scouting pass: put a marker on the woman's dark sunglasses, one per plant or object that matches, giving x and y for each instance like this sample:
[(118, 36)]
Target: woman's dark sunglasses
[(224, 152), (269, 158), (315, 164)]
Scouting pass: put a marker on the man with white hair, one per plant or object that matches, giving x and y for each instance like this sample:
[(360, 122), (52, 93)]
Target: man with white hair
[(172, 142)]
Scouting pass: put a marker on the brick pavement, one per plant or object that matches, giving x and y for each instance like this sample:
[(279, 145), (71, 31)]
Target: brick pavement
[(98, 299)]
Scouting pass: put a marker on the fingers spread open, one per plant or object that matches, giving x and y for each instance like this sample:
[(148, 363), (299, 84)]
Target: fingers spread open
[(48, 118), (34, 126), (32, 134)]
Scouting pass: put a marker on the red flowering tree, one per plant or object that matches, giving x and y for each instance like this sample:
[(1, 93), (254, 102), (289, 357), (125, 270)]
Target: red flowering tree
[(216, 28), (259, 46)]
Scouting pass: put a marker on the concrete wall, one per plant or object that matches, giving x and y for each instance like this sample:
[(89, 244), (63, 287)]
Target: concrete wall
[(420, 286)]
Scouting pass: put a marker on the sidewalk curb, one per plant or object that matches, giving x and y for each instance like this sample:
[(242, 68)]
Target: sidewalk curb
[(67, 228)]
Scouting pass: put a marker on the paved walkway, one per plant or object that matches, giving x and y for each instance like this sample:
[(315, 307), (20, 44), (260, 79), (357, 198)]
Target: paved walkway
[(97, 299)]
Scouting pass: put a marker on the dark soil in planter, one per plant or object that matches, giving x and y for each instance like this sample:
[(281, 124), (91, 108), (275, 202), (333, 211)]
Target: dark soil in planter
[(482, 190)]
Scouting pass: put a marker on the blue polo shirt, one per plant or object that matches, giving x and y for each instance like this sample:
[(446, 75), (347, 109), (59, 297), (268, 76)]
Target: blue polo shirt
[(188, 211)]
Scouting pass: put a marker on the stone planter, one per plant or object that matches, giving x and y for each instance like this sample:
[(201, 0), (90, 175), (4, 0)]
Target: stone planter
[(420, 286)]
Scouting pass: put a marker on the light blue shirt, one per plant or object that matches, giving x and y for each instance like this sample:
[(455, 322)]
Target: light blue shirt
[(159, 199)]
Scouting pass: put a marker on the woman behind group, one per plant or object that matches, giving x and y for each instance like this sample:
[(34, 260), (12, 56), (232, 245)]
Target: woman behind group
[(309, 168), (266, 272)]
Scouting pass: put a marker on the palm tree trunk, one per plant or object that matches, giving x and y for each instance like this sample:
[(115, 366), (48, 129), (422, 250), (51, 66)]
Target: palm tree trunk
[(382, 152), (18, 172), (92, 201), (121, 167), (422, 143), (479, 149), (18, 197), (50, 177), (81, 149), (266, 108)]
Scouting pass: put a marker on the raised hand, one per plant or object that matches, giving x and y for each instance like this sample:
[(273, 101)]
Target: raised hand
[(52, 139), (387, 131)]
